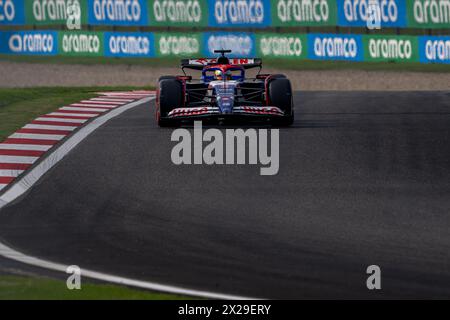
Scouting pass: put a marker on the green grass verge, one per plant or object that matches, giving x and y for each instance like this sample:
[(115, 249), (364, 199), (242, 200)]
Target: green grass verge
[(31, 288), (282, 64), (20, 106)]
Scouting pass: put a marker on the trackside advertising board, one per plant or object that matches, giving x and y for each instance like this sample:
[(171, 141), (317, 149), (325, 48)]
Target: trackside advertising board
[(291, 13), (48, 12), (129, 44), (333, 47), (357, 13), (178, 44), (81, 43), (29, 42), (118, 13), (434, 49), (279, 45), (181, 13), (239, 13), (391, 48), (12, 12), (424, 14), (242, 44), (428, 14)]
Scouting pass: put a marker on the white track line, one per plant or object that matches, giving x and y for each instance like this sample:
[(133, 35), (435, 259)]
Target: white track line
[(37, 136), (49, 127), (18, 159), (23, 184), (33, 147), (10, 173), (61, 120), (12, 254)]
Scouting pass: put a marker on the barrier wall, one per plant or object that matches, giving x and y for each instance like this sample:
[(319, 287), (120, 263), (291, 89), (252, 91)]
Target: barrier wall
[(426, 14), (313, 46)]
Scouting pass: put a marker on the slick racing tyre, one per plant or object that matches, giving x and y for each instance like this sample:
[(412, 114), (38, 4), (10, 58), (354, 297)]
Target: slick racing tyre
[(280, 95), (170, 97)]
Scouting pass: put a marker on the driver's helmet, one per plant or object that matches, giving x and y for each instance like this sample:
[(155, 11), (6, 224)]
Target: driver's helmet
[(219, 75)]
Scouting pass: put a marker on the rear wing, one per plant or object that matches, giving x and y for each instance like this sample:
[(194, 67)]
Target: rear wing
[(199, 64)]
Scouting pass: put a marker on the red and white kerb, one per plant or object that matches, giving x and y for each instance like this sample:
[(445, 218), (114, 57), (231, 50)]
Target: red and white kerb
[(24, 147)]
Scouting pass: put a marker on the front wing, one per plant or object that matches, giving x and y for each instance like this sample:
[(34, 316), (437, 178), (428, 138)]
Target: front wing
[(214, 112)]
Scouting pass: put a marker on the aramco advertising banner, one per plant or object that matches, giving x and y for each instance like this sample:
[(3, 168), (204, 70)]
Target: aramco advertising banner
[(426, 14), (29, 42), (282, 45), (313, 46), (385, 48), (291, 13)]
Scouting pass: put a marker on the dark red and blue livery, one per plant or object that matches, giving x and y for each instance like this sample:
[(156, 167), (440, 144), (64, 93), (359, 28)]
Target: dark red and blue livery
[(224, 93)]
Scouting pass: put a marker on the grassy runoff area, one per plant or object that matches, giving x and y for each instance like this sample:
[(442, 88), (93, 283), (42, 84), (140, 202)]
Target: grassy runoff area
[(281, 64), (32, 288), (20, 106)]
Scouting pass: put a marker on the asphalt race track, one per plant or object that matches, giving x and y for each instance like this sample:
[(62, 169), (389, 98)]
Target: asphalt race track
[(364, 179)]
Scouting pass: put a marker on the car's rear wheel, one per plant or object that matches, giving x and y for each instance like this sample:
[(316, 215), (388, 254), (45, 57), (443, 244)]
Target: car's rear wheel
[(170, 97), (280, 95)]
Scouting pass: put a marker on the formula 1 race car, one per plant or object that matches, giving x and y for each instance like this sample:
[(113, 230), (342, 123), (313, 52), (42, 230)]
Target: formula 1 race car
[(223, 93)]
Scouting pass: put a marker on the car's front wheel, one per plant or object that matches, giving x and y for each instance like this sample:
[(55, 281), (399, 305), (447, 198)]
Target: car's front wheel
[(170, 97), (280, 95)]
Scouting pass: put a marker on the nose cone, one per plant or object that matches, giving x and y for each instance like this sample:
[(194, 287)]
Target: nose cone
[(226, 104)]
